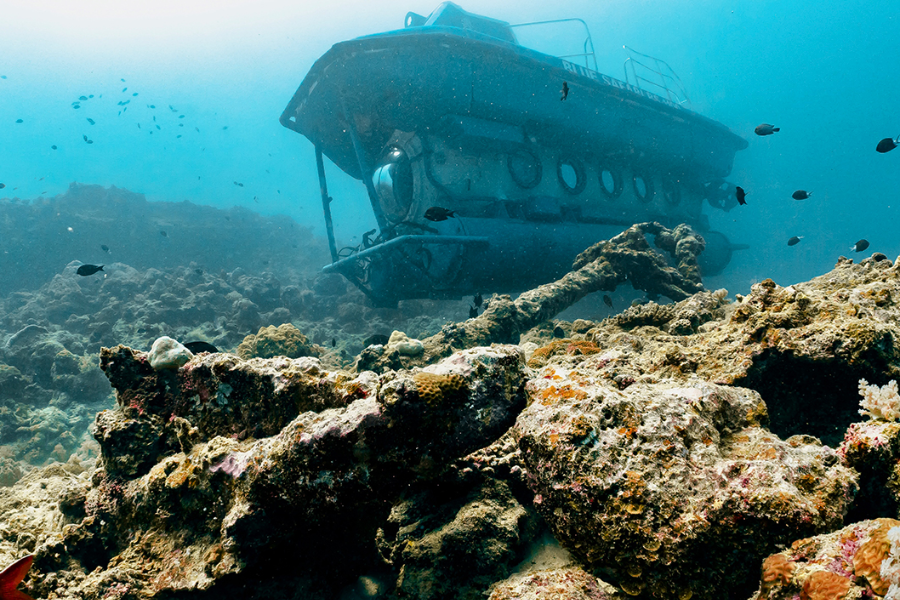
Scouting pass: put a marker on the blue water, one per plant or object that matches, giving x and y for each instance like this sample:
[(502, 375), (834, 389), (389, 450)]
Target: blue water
[(828, 74)]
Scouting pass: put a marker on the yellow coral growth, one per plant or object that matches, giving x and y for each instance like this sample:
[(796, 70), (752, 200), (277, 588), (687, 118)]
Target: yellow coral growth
[(776, 570), (825, 585), (271, 341), (867, 560), (570, 347), (435, 388)]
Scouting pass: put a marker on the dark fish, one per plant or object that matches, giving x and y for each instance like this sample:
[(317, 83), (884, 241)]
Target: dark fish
[(91, 121), (85, 137), (158, 127), (181, 124), (564, 91), (123, 81), (18, 120), (860, 245), (135, 94), (477, 300), (90, 141), (82, 98), (76, 106), (53, 147), (139, 125), (152, 106), (124, 88), (766, 129), (473, 312), (163, 233), (180, 116), (378, 339), (333, 343), (794, 240), (91, 96), (801, 195), (198, 347), (436, 213), (740, 193), (104, 247), (887, 144), (85, 270), (238, 184), (2, 185), (177, 136), (607, 301), (226, 127)]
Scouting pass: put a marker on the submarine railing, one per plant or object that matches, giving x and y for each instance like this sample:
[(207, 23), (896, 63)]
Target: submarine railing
[(588, 45), (403, 240), (326, 204), (672, 91)]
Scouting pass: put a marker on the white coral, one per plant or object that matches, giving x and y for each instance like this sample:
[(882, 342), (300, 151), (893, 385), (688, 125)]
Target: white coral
[(879, 403), (890, 567)]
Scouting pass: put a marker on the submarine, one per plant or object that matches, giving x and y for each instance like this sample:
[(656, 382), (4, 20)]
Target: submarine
[(451, 111)]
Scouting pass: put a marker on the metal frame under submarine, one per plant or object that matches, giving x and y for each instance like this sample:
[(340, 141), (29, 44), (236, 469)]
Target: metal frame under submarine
[(453, 112)]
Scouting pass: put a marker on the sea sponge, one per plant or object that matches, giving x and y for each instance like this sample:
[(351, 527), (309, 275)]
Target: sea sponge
[(867, 560), (825, 585), (271, 341), (433, 389), (776, 570)]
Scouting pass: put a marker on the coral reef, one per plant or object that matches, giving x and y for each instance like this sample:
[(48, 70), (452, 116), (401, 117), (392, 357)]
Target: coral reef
[(237, 508), (569, 583), (166, 353), (643, 481), (269, 342), (840, 565), (627, 257)]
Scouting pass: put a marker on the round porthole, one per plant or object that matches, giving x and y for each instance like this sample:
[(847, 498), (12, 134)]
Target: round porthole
[(570, 173), (393, 182), (671, 192), (611, 183), (643, 188), (525, 168)]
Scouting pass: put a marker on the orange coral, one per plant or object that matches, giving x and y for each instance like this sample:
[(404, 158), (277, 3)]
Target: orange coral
[(567, 346), (867, 560), (776, 570), (825, 585)]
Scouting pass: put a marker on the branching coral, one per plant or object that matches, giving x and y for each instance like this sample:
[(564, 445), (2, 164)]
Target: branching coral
[(879, 403)]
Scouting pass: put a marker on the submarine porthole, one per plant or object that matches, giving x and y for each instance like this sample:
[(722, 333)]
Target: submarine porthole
[(393, 183), (611, 183), (525, 168), (671, 192), (571, 175), (643, 188)]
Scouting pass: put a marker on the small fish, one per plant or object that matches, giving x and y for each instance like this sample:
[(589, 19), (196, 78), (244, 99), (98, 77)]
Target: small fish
[(225, 127), (104, 247), (860, 245), (85, 137), (2, 76), (90, 141), (85, 270), (158, 127), (91, 96), (172, 108), (607, 301), (12, 576), (238, 184), (766, 129), (197, 129), (177, 136), (477, 300), (181, 124), (794, 240), (18, 120), (801, 195), (198, 347), (2, 185), (82, 98), (564, 91), (124, 89), (91, 121), (153, 106), (76, 106), (135, 94), (741, 194), (163, 233), (436, 213), (53, 147), (139, 125), (154, 118), (887, 144), (180, 116), (473, 312), (123, 81), (333, 343)]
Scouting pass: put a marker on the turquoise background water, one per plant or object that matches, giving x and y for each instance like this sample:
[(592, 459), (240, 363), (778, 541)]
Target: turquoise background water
[(827, 73)]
